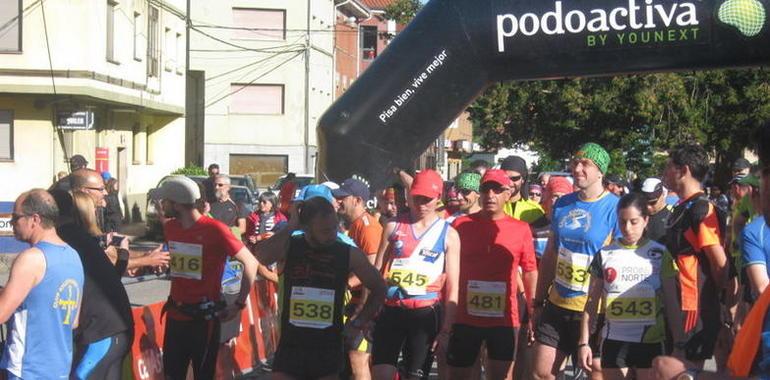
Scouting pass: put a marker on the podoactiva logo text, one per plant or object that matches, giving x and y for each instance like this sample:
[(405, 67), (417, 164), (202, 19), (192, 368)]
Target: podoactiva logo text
[(674, 21)]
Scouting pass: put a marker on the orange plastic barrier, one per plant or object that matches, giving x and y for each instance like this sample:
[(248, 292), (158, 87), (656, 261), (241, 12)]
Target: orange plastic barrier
[(257, 340)]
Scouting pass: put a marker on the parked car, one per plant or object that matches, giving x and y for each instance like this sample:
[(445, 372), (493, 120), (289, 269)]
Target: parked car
[(246, 181), (243, 197)]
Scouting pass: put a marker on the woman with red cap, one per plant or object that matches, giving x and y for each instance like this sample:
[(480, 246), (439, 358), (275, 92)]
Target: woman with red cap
[(419, 256)]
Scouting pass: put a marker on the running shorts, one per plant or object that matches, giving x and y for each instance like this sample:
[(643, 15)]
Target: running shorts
[(465, 343), (413, 329), (618, 354), (308, 362), (560, 328)]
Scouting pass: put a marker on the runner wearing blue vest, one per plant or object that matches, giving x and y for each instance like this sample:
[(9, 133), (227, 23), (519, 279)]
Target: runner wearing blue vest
[(41, 300)]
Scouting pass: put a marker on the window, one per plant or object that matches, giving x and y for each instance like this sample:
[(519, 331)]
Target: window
[(138, 36), (264, 169), (180, 61), (153, 50), (266, 99), (168, 49), (6, 135), (260, 24), (111, 5), (369, 42), (10, 25)]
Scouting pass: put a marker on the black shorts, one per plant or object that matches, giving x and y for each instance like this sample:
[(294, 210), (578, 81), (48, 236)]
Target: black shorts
[(701, 345), (190, 341), (465, 343), (560, 328), (308, 362), (618, 354), (414, 330)]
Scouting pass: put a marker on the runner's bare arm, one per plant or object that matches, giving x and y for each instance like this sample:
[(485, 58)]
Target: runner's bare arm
[(372, 280), (718, 263), (26, 272), (757, 278), (452, 278), (384, 242), (546, 270), (585, 356), (672, 307), (250, 266), (530, 284), (242, 225), (268, 274)]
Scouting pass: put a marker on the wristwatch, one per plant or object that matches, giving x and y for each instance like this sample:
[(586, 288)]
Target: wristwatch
[(690, 374)]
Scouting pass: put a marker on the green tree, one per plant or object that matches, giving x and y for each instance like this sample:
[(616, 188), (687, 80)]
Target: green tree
[(633, 116), (402, 11)]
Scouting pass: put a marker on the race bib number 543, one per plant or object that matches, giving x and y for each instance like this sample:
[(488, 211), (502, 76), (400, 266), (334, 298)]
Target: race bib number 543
[(186, 260)]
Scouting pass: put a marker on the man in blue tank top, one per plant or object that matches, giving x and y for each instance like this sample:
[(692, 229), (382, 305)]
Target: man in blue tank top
[(41, 300)]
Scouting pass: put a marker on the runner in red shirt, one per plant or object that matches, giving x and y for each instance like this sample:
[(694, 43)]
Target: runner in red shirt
[(199, 246), (493, 246)]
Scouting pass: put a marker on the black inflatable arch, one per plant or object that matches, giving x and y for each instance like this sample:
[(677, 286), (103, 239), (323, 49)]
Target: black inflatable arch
[(454, 49)]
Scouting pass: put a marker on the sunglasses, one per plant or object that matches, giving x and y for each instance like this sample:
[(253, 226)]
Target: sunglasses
[(535, 194), (495, 188), (220, 184), (16, 217), (515, 178), (96, 188), (465, 192)]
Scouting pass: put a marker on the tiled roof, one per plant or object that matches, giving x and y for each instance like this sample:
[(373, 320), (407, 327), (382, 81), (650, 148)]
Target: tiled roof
[(377, 4)]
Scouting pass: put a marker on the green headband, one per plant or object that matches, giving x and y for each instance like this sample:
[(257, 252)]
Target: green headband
[(596, 154)]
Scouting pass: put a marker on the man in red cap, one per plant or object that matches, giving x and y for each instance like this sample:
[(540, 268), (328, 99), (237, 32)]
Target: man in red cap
[(420, 257), (492, 248)]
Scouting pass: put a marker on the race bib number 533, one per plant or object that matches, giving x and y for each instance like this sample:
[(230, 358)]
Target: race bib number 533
[(186, 260), (572, 270), (311, 307)]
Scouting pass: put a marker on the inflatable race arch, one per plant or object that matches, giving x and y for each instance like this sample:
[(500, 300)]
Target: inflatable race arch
[(454, 49)]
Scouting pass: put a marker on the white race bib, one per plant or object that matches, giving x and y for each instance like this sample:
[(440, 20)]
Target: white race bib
[(186, 260), (572, 270), (486, 298), (311, 307)]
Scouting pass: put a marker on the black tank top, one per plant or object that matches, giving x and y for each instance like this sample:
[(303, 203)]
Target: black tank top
[(314, 284)]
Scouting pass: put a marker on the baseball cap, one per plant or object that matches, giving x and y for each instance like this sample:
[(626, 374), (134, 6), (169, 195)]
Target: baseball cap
[(427, 183), (514, 163), (354, 187), (652, 188), (331, 184), (613, 178), (311, 191), (741, 164), (179, 189), (749, 180), (496, 175), (106, 176), (596, 154)]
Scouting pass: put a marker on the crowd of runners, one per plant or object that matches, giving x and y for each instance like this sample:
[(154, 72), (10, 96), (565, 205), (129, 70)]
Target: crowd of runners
[(498, 274)]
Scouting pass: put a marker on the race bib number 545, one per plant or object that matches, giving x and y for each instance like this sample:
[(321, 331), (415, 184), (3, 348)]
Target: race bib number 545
[(186, 260)]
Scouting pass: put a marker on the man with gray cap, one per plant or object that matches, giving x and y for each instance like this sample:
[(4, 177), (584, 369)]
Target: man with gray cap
[(366, 232), (655, 192), (519, 206), (199, 247)]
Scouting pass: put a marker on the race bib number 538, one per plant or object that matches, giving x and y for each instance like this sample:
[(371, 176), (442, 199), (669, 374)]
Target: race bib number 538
[(186, 260), (311, 307)]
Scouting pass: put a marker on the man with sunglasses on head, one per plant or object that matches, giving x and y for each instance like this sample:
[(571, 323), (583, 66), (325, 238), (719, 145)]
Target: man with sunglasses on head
[(583, 222), (493, 246)]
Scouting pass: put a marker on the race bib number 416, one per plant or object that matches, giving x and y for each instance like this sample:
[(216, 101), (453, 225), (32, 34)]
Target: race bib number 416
[(486, 298), (186, 260), (311, 307)]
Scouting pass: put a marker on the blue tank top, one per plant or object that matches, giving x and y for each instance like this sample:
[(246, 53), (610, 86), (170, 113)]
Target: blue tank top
[(39, 342)]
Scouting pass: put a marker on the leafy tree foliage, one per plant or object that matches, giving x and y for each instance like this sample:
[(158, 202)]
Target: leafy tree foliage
[(633, 116), (402, 11)]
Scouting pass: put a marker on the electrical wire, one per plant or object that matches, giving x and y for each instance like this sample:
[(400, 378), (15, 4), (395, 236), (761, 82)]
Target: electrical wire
[(252, 64), (253, 80), (48, 47), (331, 29)]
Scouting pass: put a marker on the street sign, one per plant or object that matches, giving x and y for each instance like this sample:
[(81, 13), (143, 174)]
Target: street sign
[(74, 120)]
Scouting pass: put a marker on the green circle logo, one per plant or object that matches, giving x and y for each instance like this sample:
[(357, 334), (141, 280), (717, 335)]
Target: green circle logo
[(748, 16)]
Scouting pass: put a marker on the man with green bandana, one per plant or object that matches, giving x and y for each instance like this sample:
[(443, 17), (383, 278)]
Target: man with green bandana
[(583, 222), (467, 185)]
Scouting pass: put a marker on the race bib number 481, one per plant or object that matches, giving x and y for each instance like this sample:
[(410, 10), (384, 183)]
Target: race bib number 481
[(186, 260), (486, 298), (311, 307)]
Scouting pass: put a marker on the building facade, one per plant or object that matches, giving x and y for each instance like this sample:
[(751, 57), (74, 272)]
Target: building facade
[(267, 74), (92, 78), (348, 51)]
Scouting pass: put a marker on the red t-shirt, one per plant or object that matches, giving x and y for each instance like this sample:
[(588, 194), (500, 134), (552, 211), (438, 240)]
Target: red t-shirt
[(212, 241), (491, 252)]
